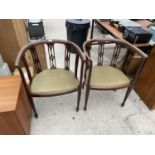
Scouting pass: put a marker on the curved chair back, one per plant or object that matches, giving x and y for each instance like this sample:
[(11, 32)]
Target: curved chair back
[(119, 54), (51, 46)]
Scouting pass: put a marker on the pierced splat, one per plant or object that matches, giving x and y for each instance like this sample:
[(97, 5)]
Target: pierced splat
[(128, 58), (52, 58), (67, 58), (116, 53), (100, 55), (35, 59)]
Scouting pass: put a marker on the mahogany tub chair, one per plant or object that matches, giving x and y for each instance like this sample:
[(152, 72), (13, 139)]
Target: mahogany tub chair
[(110, 76), (52, 81)]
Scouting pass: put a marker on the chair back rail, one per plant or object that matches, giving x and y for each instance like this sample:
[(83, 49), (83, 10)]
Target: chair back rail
[(117, 41), (49, 42)]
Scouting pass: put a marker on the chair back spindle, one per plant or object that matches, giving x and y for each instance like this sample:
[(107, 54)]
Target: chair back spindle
[(35, 59), (100, 55), (51, 52), (67, 58)]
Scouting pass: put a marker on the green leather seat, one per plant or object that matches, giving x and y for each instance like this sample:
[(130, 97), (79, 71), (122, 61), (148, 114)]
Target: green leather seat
[(53, 81), (107, 77)]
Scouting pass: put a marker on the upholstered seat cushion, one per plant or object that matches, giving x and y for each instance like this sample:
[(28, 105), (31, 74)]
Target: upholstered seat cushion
[(53, 81), (107, 77)]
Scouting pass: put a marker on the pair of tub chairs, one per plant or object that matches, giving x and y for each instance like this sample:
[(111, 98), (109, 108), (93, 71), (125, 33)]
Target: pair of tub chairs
[(87, 73)]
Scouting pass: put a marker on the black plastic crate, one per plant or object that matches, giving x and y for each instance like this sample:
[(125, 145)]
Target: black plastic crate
[(36, 30)]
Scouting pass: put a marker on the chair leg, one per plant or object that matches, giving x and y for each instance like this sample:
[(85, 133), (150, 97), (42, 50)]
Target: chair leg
[(78, 99), (126, 95), (83, 85), (86, 98), (33, 107)]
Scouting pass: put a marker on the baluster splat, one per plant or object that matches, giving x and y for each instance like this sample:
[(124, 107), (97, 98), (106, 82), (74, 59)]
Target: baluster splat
[(67, 58), (116, 53), (100, 55), (52, 58), (128, 58)]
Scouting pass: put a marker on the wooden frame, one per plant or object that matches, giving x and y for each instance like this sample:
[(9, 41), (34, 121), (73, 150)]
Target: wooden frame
[(89, 63), (38, 68)]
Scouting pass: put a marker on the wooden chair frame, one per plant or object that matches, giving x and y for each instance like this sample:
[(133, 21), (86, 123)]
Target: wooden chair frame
[(131, 49), (37, 65)]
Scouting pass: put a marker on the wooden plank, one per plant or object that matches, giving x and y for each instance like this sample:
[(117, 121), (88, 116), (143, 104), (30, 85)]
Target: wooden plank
[(10, 125), (9, 45), (15, 109), (22, 37), (23, 110), (9, 91), (145, 85), (20, 30)]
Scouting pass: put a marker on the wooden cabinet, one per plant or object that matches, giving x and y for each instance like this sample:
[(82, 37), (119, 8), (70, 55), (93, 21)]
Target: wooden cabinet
[(15, 110), (145, 85), (13, 36)]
